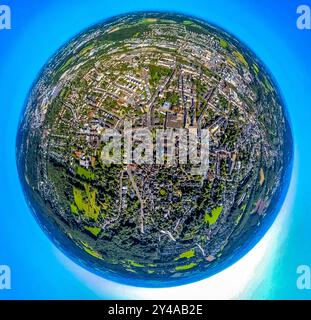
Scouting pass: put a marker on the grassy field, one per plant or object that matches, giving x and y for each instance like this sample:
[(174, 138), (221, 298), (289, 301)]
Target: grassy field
[(94, 230), (91, 251), (135, 264), (157, 72), (268, 84), (241, 58), (185, 267), (187, 22), (73, 208), (256, 68), (86, 202), (223, 43), (84, 173), (148, 20), (86, 49), (66, 64), (188, 254), (214, 215)]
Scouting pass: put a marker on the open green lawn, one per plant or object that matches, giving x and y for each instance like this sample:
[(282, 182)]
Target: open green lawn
[(66, 64), (94, 230), (148, 20), (87, 248), (187, 254), (93, 253), (73, 208), (86, 201), (157, 72), (187, 22), (185, 267), (135, 264), (211, 219), (84, 173), (268, 84), (256, 68), (86, 49), (241, 58), (223, 43)]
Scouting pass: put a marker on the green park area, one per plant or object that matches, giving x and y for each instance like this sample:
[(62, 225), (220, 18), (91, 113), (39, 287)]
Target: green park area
[(223, 43), (185, 267), (85, 201), (157, 72), (187, 254), (187, 22), (84, 173), (241, 58), (213, 217), (94, 230), (87, 248), (66, 64), (135, 264)]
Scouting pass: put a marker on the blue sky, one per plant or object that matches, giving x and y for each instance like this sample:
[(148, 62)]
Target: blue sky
[(39, 29)]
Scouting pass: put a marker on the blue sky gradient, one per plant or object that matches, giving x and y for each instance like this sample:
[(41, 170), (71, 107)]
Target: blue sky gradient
[(39, 28)]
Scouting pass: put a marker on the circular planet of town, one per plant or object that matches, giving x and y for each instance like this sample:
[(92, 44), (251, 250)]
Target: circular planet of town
[(154, 149)]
